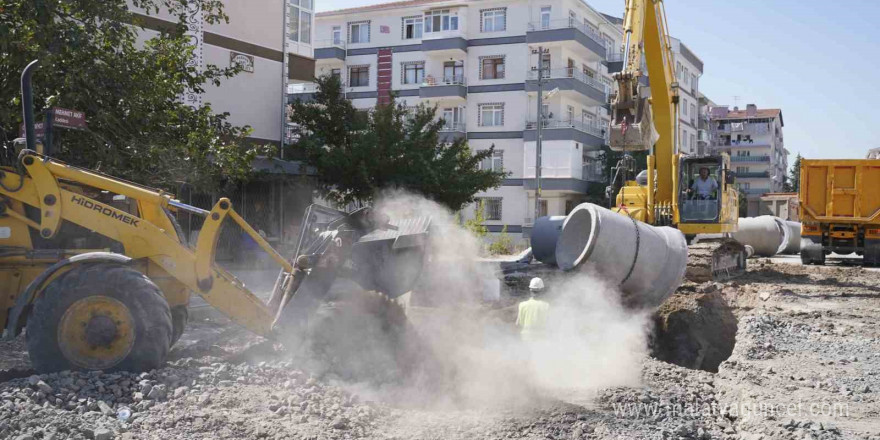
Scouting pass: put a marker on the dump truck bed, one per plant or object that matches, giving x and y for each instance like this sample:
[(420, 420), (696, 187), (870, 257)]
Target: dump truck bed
[(840, 209), (840, 191)]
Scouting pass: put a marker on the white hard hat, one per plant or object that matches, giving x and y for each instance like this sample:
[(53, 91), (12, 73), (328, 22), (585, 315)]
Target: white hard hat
[(536, 284)]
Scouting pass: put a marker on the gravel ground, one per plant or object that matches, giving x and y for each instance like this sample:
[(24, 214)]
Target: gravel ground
[(806, 365)]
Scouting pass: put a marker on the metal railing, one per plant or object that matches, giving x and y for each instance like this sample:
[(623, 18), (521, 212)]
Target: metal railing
[(451, 80), (328, 42), (454, 127), (567, 23), (750, 158), (591, 127), (569, 72)]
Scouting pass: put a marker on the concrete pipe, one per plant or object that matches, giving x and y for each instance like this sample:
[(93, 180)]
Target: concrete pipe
[(544, 235), (767, 234), (647, 262), (794, 238), (749, 251)]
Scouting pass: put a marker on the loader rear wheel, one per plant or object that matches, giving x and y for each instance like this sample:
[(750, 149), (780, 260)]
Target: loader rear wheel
[(99, 317)]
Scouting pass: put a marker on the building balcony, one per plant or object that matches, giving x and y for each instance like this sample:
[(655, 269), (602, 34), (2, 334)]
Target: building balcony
[(565, 30), (588, 133), (445, 44), (453, 131), (330, 50), (759, 174), (572, 80), (304, 92), (444, 87), (750, 158)]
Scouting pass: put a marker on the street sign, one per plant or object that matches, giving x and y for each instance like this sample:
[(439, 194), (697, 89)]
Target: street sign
[(39, 129), (66, 118)]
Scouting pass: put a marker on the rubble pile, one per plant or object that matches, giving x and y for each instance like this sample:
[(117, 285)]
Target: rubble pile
[(184, 400)]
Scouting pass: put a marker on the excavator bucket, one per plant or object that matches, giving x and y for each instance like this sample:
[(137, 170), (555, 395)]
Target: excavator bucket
[(634, 134)]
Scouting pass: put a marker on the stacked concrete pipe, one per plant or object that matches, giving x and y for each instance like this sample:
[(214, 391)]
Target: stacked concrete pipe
[(646, 262), (767, 234), (794, 238)]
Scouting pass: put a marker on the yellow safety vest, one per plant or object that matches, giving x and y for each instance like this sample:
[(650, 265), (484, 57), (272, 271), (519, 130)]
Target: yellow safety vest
[(532, 317)]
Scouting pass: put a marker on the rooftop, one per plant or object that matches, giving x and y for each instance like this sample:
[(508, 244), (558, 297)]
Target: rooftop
[(723, 113)]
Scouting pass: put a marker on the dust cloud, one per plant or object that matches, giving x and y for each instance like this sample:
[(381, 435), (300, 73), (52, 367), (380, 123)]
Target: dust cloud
[(461, 351)]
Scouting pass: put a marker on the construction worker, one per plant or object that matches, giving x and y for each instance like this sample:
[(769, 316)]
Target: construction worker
[(704, 186), (532, 317)]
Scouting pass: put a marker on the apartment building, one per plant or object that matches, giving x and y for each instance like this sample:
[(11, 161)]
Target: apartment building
[(476, 61), (270, 39), (688, 70), (753, 138), (703, 106)]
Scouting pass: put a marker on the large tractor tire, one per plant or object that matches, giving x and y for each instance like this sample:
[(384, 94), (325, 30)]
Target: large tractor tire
[(100, 317)]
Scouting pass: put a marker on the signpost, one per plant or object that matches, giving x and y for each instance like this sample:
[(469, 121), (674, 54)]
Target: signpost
[(57, 117)]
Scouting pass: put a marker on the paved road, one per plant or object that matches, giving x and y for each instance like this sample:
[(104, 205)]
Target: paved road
[(830, 260)]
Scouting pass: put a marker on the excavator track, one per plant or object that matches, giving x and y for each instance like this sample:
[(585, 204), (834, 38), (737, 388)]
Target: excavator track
[(715, 260)]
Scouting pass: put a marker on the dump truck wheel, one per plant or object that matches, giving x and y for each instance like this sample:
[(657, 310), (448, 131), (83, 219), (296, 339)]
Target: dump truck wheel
[(179, 318), (99, 317)]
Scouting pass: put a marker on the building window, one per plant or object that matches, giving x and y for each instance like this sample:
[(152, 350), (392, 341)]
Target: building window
[(412, 27), (413, 72), (693, 111), (358, 76), (336, 73), (684, 107), (693, 81), (491, 208), (545, 17), (493, 20), (492, 67), (300, 24), (441, 20), (337, 34), (453, 72), (491, 115), (359, 32), (493, 163), (542, 208)]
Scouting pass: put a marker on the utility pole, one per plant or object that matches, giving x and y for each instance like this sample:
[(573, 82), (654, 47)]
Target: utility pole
[(540, 132)]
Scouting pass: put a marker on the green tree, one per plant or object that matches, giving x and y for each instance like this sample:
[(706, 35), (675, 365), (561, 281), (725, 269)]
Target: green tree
[(793, 181), (356, 154), (138, 128)]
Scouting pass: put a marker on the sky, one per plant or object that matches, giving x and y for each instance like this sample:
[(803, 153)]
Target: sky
[(819, 64)]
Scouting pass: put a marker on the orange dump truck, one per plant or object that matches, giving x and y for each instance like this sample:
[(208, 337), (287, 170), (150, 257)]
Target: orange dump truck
[(840, 209)]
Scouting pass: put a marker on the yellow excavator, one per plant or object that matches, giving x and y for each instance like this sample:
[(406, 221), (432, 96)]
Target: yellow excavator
[(667, 193), (98, 272)]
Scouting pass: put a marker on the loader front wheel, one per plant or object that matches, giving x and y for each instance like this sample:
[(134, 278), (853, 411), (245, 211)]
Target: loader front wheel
[(99, 317)]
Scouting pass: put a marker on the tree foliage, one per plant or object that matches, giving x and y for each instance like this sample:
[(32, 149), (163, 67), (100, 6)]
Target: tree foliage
[(138, 128), (793, 182), (357, 153)]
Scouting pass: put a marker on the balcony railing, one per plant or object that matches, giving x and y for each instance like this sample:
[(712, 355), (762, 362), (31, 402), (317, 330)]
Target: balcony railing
[(451, 80), (750, 158), (593, 128), (454, 127), (570, 72), (567, 23), (754, 174), (329, 42), (302, 88), (753, 191)]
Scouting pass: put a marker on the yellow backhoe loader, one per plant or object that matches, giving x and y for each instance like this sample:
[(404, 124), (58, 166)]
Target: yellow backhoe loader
[(97, 271), (668, 193)]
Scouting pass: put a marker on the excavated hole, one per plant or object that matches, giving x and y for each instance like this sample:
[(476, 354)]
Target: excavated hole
[(694, 330)]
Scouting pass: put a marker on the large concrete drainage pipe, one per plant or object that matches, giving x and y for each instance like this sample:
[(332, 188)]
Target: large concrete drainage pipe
[(545, 233), (647, 262), (794, 238), (767, 234)]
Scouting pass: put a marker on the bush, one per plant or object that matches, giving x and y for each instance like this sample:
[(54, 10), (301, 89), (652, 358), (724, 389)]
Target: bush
[(475, 225), (503, 245)]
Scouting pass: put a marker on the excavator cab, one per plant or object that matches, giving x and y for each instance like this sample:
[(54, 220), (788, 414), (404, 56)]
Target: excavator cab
[(700, 192)]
